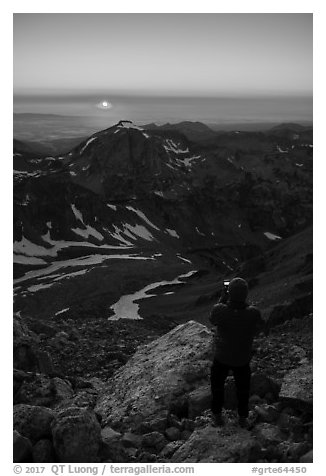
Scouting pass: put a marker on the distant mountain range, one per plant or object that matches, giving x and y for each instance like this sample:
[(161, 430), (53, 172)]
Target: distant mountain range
[(162, 200)]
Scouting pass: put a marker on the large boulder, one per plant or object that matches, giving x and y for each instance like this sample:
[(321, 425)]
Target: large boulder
[(157, 376), (22, 448), (218, 445), (297, 387), (76, 436), (33, 422), (43, 452)]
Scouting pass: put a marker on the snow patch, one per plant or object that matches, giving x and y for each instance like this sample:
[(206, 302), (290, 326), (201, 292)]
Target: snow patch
[(87, 144), (172, 233), (62, 311), (28, 260), (184, 259), (83, 261), (77, 213), (26, 247), (39, 287), (89, 231), (271, 236), (142, 216), (127, 308), (23, 173), (199, 232), (117, 236), (188, 162), (171, 146), (139, 230), (112, 206)]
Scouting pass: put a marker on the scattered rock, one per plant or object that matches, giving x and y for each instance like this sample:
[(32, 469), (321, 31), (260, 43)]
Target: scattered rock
[(172, 433), (188, 424), (297, 450), (86, 399), (173, 420), (170, 448), (108, 435), (284, 421), (45, 364), (76, 436), (159, 423), (199, 400), (185, 434), (62, 389), (154, 441), (266, 413), (18, 378), (22, 450), (217, 445), (36, 390), (131, 440), (268, 434), (299, 307), (146, 457), (43, 452), (40, 327), (33, 422), (261, 385), (297, 387), (255, 399), (114, 452)]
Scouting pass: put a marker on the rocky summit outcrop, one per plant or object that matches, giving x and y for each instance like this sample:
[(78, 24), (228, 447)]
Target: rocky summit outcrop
[(155, 408), (158, 377)]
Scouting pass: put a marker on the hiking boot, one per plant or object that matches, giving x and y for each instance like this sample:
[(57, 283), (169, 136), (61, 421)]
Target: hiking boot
[(218, 419), (243, 422)]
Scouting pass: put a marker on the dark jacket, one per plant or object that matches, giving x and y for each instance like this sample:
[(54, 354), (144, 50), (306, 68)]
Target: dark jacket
[(236, 325)]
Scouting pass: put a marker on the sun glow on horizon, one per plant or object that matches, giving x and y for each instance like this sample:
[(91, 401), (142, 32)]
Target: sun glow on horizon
[(104, 105)]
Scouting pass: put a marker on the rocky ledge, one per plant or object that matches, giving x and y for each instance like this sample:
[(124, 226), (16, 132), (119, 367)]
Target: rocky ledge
[(155, 407)]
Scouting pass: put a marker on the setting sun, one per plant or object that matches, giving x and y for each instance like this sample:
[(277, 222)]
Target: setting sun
[(104, 104)]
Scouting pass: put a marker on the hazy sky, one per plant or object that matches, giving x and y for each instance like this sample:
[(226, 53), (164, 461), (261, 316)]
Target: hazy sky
[(203, 54)]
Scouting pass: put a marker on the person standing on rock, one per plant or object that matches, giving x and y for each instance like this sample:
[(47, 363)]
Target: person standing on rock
[(236, 325)]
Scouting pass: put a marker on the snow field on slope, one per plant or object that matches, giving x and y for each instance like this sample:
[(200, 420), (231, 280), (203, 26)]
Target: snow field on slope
[(127, 308)]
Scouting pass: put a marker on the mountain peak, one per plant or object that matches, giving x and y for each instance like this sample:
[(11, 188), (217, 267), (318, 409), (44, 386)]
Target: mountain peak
[(127, 124)]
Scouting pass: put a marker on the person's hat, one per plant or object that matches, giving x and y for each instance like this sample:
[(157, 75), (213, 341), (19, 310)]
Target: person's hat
[(238, 290)]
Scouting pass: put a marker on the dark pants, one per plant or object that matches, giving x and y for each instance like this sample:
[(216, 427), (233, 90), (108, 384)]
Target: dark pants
[(242, 374)]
